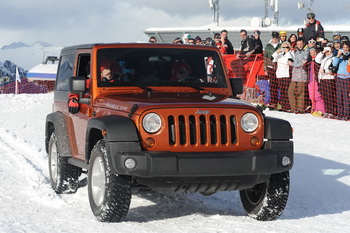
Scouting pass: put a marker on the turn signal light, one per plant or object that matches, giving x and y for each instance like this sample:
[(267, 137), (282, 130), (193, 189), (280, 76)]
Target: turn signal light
[(150, 142)]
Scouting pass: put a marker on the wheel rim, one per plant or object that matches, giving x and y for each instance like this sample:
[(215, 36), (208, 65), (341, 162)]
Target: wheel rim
[(255, 194), (98, 181), (53, 162)]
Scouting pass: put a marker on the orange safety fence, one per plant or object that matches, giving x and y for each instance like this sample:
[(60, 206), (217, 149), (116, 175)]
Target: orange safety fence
[(319, 92), (26, 87)]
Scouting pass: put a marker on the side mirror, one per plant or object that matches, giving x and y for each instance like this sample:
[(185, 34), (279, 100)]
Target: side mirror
[(236, 86), (77, 85)]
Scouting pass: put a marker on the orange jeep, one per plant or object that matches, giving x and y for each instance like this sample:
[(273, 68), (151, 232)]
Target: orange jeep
[(167, 117)]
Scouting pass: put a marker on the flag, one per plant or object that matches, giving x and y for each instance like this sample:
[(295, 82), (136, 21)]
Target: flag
[(18, 78)]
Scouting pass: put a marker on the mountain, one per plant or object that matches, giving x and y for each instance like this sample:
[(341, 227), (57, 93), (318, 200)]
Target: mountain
[(27, 56), (8, 68), (15, 45)]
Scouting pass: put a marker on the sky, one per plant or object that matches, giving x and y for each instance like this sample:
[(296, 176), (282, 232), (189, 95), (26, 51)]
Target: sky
[(67, 22)]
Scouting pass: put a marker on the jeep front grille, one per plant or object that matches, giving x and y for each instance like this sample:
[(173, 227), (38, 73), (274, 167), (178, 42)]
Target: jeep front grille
[(202, 130)]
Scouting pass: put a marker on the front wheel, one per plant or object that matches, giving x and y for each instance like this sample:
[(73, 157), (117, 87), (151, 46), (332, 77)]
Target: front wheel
[(267, 201), (109, 194)]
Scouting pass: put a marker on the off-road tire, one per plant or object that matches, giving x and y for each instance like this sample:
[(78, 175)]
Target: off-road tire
[(109, 194), (64, 177), (267, 201)]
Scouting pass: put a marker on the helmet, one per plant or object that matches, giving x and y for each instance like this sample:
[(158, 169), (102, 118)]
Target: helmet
[(310, 15), (283, 33)]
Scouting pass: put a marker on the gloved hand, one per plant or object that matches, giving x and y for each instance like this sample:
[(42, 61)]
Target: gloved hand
[(73, 104)]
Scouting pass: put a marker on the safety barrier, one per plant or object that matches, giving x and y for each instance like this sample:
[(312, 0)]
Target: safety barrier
[(324, 94), (26, 87)]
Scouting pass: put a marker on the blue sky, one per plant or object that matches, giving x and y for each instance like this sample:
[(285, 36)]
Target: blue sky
[(67, 22)]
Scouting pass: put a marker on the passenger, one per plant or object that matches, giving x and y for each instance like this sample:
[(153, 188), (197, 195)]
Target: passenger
[(106, 76), (180, 72), (258, 43), (226, 42)]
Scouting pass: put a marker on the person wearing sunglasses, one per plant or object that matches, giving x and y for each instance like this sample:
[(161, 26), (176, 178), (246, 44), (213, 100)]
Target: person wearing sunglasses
[(313, 28), (283, 57)]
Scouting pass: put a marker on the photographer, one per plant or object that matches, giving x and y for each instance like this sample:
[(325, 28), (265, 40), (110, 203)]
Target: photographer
[(343, 81), (283, 57)]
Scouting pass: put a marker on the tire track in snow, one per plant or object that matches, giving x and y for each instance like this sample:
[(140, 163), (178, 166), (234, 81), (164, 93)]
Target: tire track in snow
[(20, 160)]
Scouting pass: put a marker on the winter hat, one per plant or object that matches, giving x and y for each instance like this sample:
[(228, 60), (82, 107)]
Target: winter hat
[(283, 33), (275, 34), (257, 32), (300, 30)]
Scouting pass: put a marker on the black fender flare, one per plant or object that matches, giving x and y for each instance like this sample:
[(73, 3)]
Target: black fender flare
[(119, 133), (55, 122), (277, 129)]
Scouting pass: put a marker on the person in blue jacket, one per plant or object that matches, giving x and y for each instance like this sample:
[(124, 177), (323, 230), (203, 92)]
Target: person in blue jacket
[(343, 81)]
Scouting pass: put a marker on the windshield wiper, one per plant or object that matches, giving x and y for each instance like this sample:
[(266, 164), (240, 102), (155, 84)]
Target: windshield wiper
[(148, 89), (184, 84)]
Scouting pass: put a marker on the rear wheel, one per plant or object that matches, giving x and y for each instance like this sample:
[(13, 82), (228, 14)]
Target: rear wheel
[(109, 194), (64, 177), (267, 201)]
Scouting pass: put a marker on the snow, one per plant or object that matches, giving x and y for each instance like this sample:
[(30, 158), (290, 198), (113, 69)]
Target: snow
[(318, 201)]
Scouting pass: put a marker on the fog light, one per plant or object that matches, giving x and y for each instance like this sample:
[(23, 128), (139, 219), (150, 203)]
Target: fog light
[(254, 141), (130, 163), (285, 161), (150, 142)]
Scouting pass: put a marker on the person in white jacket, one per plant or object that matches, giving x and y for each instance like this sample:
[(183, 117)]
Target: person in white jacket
[(327, 81), (283, 57)]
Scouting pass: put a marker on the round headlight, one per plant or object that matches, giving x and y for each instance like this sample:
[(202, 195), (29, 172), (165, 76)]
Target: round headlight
[(151, 122), (249, 122)]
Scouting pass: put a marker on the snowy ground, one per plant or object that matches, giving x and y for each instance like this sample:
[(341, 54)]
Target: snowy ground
[(319, 199)]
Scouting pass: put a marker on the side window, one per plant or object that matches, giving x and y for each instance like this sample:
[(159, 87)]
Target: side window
[(65, 71), (83, 65)]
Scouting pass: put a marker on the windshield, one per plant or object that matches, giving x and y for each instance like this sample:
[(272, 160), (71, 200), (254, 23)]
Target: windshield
[(160, 67)]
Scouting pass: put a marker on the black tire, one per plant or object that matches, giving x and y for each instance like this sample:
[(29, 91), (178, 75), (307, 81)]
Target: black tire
[(267, 201), (109, 194), (64, 177)]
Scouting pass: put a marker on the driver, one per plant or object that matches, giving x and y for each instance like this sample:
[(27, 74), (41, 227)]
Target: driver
[(180, 71)]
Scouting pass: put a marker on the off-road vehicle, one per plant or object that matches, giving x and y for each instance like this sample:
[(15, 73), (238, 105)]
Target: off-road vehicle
[(168, 118)]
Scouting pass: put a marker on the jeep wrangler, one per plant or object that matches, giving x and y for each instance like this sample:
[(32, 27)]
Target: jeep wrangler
[(167, 117)]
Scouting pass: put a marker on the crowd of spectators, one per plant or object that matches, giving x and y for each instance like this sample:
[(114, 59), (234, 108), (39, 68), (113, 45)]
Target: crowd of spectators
[(306, 71)]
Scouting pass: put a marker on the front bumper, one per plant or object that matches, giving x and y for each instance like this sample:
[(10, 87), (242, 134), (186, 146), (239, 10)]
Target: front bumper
[(151, 164)]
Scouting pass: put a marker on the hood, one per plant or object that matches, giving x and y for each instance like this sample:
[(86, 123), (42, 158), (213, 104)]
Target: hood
[(144, 101)]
